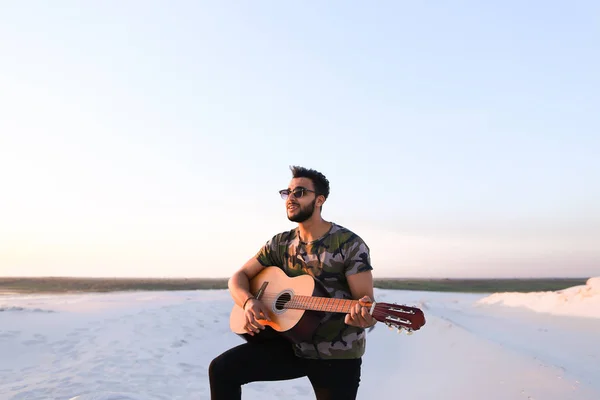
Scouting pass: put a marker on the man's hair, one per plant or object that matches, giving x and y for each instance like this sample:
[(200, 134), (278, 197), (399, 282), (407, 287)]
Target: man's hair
[(318, 179)]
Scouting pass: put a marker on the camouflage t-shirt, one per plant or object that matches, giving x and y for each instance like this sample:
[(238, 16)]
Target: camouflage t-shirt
[(330, 259)]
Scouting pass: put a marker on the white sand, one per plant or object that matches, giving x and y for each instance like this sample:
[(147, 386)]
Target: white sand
[(157, 345), (580, 301)]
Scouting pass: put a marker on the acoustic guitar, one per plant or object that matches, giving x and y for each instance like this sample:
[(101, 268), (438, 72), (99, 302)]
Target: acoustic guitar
[(297, 304)]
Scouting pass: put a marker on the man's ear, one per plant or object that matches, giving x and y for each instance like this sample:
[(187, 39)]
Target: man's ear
[(320, 200)]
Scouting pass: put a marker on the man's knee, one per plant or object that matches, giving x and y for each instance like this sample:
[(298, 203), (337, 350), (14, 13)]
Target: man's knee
[(216, 368), (225, 365)]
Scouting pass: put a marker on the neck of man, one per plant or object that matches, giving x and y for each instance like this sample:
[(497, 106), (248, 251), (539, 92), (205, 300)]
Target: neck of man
[(313, 228)]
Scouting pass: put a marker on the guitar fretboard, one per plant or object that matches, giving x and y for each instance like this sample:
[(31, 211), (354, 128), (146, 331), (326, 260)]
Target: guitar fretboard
[(321, 304)]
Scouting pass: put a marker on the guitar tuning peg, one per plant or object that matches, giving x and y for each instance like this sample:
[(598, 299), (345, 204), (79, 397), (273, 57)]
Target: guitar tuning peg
[(409, 332), (399, 331)]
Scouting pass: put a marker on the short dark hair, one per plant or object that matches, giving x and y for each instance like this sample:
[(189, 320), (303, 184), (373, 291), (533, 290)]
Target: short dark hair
[(318, 179)]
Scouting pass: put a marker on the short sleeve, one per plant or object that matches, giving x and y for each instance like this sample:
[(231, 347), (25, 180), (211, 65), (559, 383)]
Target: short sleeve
[(268, 255), (358, 258)]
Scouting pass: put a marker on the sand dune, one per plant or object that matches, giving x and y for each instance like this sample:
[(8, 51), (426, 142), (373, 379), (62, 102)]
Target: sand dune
[(157, 345), (579, 301)]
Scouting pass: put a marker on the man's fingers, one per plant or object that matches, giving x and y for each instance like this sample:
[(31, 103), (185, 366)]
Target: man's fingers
[(364, 318), (262, 314), (254, 323), (365, 312), (265, 315), (354, 315), (249, 329), (359, 315), (365, 300)]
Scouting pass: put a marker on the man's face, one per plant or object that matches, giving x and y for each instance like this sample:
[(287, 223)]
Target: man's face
[(301, 208)]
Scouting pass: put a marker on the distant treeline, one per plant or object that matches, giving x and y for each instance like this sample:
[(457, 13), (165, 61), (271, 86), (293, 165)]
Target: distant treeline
[(481, 285), (65, 285), (73, 285)]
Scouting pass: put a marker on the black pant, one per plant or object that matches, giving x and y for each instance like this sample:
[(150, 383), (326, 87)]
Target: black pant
[(274, 361)]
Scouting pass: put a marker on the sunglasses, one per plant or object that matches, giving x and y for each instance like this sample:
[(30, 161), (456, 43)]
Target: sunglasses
[(297, 193)]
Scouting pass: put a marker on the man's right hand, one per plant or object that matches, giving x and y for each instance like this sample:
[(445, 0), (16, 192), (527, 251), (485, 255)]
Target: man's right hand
[(254, 311)]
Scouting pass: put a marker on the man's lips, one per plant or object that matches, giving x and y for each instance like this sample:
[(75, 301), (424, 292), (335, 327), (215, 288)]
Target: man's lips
[(292, 207)]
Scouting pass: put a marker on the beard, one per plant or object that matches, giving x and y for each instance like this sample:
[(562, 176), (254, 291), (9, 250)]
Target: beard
[(303, 213)]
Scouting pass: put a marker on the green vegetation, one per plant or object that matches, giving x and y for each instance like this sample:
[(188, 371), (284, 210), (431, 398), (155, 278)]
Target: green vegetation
[(480, 285), (74, 285)]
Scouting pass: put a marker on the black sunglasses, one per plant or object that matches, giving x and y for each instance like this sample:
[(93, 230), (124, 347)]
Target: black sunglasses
[(297, 192)]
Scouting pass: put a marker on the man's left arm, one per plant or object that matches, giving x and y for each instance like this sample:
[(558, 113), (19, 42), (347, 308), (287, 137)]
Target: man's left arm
[(360, 281), (361, 286)]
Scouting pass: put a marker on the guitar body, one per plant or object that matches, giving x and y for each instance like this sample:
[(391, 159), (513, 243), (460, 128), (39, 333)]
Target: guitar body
[(297, 305), (296, 325)]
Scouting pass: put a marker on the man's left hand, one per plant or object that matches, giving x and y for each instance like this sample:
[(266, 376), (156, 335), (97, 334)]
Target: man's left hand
[(359, 315)]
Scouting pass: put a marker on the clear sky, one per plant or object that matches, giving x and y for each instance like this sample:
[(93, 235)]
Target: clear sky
[(151, 138)]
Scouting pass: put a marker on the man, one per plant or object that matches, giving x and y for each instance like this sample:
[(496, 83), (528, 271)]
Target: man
[(336, 257)]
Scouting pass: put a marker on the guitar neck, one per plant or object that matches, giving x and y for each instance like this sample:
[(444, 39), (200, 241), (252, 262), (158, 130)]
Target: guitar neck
[(321, 304)]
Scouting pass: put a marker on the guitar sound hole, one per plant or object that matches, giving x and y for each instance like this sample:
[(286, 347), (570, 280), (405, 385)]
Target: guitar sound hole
[(282, 301)]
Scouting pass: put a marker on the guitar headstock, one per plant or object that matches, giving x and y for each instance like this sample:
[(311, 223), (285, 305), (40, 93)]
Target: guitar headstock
[(398, 316)]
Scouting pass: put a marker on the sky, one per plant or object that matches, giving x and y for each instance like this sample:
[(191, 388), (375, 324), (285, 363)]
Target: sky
[(461, 139)]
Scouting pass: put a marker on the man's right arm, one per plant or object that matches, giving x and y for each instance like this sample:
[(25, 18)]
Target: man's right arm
[(239, 283)]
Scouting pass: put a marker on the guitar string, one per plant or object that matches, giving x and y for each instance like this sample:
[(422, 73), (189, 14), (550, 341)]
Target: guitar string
[(312, 301), (331, 304), (299, 301), (378, 315)]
